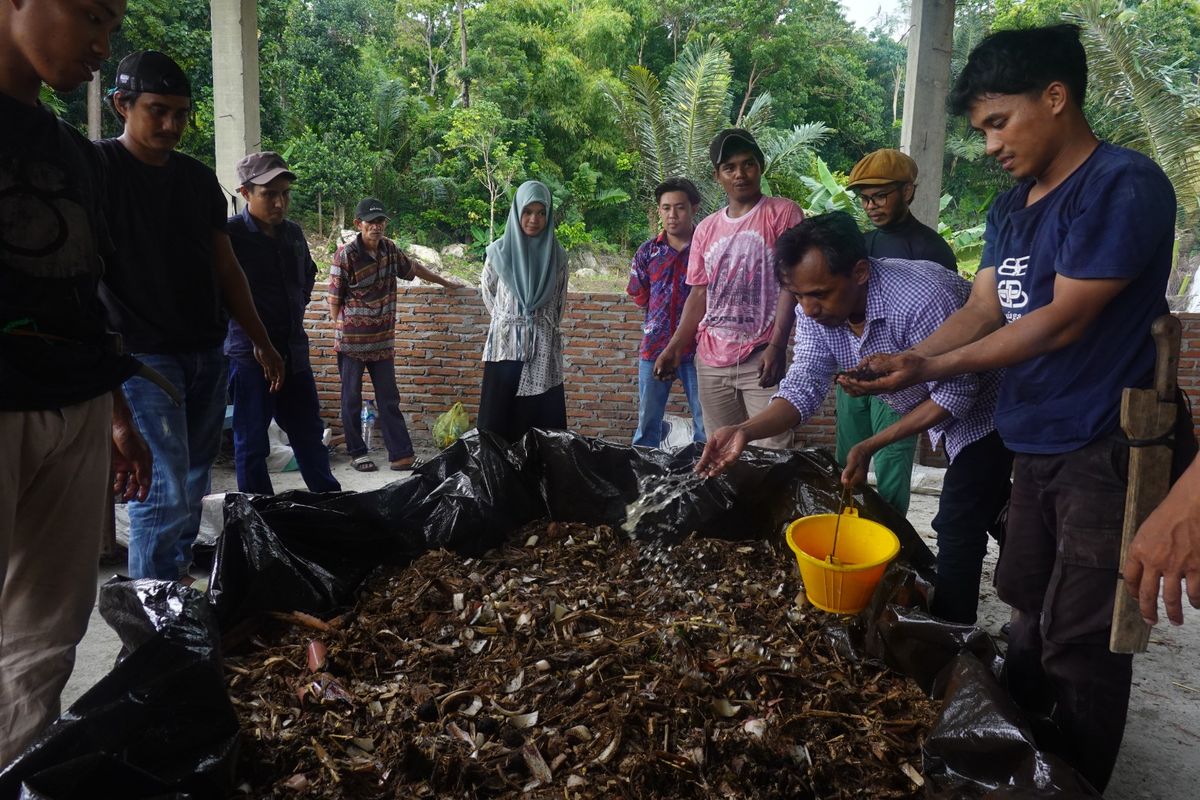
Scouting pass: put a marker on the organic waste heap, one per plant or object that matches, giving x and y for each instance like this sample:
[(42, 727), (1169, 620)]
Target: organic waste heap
[(575, 662)]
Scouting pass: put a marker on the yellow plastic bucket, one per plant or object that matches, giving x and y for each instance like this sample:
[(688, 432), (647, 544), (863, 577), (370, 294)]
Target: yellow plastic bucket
[(844, 584)]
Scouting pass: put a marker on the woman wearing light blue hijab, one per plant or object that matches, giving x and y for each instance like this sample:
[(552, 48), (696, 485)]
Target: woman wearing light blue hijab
[(524, 285)]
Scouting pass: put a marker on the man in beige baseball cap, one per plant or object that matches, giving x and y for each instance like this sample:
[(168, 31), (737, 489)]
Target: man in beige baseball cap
[(885, 181)]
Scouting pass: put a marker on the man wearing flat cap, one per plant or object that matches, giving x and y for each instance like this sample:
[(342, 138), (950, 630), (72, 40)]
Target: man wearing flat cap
[(735, 314), (362, 305), (168, 292), (885, 181), (280, 270)]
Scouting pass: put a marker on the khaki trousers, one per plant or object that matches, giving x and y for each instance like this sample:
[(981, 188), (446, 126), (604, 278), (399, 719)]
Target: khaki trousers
[(54, 495), (731, 395)]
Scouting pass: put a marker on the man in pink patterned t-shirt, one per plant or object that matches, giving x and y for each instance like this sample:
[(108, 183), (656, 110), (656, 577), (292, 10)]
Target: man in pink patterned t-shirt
[(736, 315)]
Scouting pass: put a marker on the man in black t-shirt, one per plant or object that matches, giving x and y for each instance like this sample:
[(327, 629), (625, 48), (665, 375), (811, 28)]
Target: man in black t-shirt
[(167, 293), (885, 182), (60, 411)]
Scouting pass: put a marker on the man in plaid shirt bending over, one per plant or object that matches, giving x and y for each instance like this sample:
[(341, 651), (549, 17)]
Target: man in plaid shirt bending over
[(855, 306)]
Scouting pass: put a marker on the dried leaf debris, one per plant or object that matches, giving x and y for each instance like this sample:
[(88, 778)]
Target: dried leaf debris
[(580, 665)]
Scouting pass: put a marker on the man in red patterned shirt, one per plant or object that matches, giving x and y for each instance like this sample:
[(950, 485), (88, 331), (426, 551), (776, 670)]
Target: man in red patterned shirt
[(658, 283), (362, 304)]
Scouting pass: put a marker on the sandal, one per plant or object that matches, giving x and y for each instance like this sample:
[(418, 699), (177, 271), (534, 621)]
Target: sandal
[(364, 464), (402, 464)]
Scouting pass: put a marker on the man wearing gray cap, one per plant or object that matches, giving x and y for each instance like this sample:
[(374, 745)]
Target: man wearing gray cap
[(167, 292), (885, 181), (280, 270)]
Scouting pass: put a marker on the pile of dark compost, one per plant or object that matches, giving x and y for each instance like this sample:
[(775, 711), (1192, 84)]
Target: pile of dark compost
[(577, 663)]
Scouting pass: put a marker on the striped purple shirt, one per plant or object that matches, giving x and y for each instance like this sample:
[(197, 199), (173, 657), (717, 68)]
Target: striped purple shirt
[(906, 301)]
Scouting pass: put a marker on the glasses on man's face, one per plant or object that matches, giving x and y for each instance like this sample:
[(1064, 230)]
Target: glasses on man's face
[(878, 199)]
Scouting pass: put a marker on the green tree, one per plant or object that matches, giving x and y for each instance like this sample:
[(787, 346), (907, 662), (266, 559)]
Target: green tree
[(479, 131), (1137, 105)]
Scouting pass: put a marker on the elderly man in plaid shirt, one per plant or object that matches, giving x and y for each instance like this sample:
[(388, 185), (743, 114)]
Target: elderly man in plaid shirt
[(855, 306)]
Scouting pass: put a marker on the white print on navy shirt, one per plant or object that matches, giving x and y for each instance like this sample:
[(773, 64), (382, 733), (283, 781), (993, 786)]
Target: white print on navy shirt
[(1010, 288)]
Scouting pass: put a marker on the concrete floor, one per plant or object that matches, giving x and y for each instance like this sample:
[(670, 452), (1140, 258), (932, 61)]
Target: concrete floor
[(1160, 757)]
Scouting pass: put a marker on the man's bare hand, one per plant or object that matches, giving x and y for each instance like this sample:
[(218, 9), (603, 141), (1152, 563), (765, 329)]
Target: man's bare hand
[(723, 448), (858, 461), (1166, 552), (772, 366), (884, 372), (131, 462), (666, 365), (272, 365)]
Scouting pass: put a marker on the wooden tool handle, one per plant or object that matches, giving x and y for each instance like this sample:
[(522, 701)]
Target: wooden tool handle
[(1147, 415), (1167, 332)]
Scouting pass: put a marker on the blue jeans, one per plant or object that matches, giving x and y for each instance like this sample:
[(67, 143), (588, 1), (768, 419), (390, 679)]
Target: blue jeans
[(652, 402), (298, 413), (184, 442)]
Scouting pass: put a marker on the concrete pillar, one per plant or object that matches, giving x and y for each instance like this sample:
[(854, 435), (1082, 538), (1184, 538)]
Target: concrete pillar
[(93, 106), (923, 136), (235, 86)]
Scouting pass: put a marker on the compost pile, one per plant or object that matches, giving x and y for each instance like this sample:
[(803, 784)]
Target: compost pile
[(575, 663)]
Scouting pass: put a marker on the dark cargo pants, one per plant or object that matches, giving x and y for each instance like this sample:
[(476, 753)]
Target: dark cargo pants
[(1058, 570)]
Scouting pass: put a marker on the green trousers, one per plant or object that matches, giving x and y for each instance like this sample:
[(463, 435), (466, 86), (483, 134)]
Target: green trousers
[(859, 418)]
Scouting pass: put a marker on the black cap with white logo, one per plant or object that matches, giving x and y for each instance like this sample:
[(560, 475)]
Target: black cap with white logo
[(369, 210)]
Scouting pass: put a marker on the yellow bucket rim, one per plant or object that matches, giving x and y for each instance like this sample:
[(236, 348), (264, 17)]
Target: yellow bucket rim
[(893, 551)]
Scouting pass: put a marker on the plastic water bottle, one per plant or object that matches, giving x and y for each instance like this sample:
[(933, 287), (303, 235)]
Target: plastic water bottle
[(368, 421)]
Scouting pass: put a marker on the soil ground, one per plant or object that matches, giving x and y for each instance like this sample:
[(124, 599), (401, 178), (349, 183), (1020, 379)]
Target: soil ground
[(1160, 757)]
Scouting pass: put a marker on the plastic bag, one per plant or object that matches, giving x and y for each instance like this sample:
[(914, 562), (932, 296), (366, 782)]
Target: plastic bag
[(161, 725), (450, 426)]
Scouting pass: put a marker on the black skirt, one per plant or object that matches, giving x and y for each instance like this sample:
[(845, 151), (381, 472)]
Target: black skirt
[(502, 412)]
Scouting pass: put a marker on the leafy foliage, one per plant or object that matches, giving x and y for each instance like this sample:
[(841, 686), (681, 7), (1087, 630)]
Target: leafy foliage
[(366, 96), (1138, 107)]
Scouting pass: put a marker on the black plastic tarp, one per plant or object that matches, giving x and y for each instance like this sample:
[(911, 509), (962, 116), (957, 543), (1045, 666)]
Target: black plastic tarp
[(161, 724)]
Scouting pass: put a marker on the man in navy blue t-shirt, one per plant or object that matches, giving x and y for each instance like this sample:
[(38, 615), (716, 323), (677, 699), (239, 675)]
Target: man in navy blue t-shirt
[(1074, 270)]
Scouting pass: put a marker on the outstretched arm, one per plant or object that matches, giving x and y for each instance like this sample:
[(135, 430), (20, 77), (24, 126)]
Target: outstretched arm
[(1166, 551), (921, 418), (1060, 323), (726, 444)]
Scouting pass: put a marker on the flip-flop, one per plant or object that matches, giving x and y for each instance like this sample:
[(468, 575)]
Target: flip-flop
[(402, 464), (364, 464)]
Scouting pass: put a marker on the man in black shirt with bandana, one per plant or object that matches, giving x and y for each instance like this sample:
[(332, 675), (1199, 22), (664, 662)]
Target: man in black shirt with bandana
[(168, 292)]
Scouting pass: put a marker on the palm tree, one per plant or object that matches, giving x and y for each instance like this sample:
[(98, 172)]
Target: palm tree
[(1137, 104), (672, 125)]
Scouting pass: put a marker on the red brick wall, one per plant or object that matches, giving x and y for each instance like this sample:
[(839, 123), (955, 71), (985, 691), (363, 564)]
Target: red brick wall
[(440, 337)]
